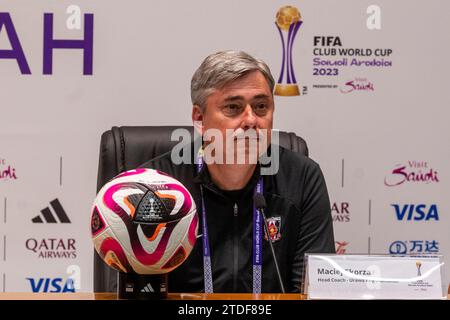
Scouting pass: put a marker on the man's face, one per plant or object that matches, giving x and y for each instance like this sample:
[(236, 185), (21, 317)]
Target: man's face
[(244, 105)]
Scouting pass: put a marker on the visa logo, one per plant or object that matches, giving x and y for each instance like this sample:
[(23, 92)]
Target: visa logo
[(416, 212), (51, 285)]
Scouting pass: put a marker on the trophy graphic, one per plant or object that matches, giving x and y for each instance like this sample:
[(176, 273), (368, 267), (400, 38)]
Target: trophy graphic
[(418, 265), (288, 20)]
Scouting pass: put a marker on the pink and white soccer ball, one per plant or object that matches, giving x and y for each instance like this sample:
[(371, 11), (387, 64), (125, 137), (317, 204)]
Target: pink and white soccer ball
[(144, 221)]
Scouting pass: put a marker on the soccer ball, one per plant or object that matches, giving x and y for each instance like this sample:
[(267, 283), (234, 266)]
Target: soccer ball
[(286, 16), (144, 221)]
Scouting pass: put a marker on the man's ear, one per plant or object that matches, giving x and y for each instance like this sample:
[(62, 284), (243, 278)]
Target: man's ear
[(197, 118)]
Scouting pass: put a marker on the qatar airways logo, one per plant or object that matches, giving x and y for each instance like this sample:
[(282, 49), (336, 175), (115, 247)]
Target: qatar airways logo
[(340, 212), (411, 172), (52, 248), (7, 171)]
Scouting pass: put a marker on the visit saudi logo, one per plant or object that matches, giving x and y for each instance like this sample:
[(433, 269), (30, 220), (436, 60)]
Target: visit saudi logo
[(288, 21)]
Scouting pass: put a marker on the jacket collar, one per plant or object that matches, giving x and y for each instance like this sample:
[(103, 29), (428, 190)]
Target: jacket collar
[(204, 178)]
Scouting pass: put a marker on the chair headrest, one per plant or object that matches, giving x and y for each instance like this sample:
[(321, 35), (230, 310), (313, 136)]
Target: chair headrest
[(125, 148)]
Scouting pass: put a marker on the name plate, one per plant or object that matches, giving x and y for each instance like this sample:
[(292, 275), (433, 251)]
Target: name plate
[(330, 276)]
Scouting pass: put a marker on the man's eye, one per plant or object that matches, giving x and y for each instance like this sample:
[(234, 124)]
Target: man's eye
[(260, 108), (232, 106), (232, 109)]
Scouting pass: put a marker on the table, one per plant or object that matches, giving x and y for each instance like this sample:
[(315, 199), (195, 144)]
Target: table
[(171, 296)]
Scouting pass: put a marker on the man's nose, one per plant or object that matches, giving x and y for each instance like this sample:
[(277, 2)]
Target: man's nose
[(249, 118)]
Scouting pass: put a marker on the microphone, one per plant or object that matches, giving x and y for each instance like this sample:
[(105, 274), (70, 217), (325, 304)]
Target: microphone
[(260, 204)]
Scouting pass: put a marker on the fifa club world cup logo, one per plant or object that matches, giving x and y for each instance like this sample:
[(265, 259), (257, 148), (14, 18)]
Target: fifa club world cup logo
[(288, 20), (418, 265)]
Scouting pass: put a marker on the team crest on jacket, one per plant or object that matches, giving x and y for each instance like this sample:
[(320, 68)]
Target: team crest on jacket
[(274, 225)]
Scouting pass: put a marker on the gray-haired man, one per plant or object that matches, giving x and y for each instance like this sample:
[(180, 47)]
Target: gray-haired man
[(234, 91)]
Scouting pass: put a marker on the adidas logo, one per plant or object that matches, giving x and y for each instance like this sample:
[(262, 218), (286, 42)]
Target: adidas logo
[(148, 288), (48, 215)]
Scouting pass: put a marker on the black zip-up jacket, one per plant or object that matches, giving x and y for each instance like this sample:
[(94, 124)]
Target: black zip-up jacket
[(297, 194)]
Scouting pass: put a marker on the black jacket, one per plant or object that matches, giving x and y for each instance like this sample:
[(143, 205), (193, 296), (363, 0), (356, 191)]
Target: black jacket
[(297, 194)]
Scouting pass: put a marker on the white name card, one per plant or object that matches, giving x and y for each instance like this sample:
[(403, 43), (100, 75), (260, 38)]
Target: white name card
[(330, 276)]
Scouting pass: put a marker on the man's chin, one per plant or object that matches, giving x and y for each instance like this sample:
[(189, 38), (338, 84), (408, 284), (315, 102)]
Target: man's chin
[(244, 156)]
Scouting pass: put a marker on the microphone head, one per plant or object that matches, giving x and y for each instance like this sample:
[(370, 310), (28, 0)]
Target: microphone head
[(259, 201)]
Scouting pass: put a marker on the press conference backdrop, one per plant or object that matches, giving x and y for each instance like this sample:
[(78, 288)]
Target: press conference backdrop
[(373, 105)]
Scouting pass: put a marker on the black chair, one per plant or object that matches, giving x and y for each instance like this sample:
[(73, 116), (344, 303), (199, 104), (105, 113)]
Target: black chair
[(125, 148)]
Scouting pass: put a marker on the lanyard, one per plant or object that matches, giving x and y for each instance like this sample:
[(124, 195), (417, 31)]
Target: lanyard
[(257, 240)]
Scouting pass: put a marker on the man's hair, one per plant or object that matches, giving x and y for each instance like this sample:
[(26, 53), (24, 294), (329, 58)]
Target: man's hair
[(221, 68)]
